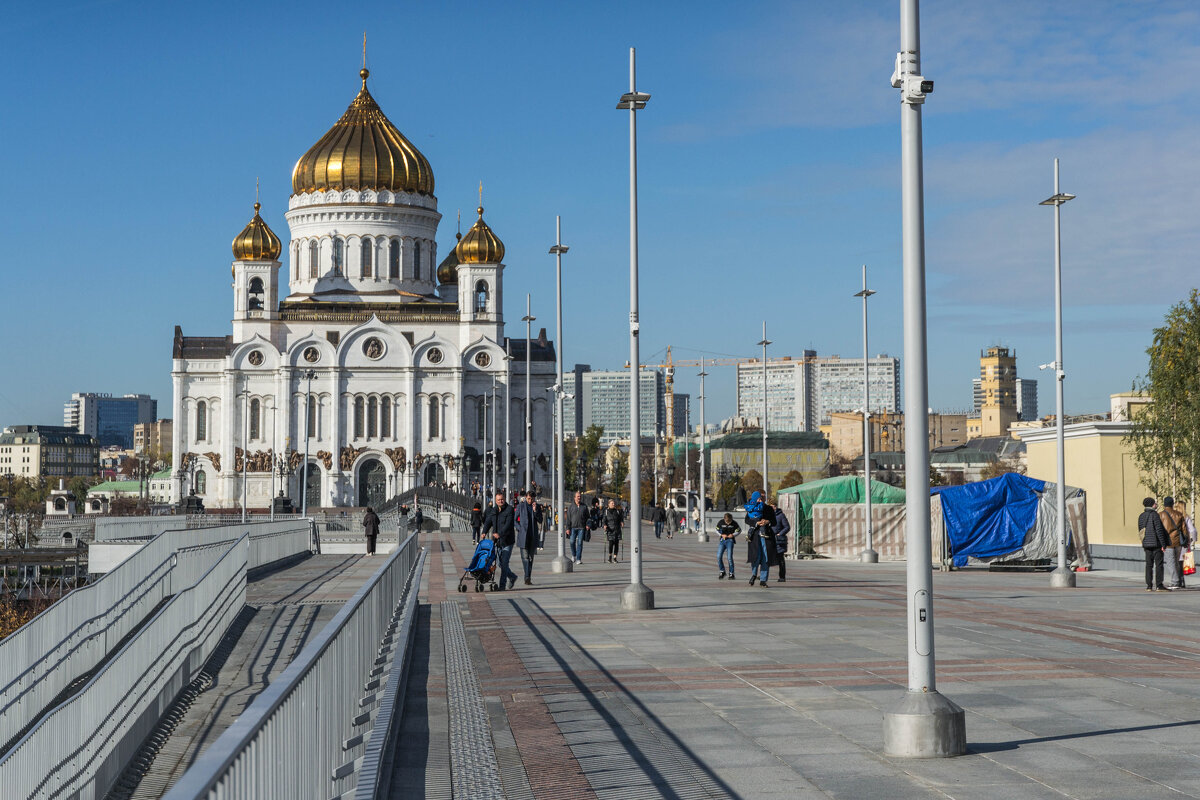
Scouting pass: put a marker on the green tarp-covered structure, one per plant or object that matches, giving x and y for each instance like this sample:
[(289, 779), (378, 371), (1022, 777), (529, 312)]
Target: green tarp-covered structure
[(843, 489)]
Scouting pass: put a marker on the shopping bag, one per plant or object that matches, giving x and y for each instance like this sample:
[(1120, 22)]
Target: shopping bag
[(1189, 563)]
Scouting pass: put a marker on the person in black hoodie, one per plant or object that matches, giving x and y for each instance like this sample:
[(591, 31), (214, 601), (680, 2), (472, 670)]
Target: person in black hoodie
[(1154, 540), (371, 529), (500, 519), (476, 521)]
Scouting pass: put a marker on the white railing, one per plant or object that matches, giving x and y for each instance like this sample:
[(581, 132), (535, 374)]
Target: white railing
[(80, 747), (67, 640), (303, 738)]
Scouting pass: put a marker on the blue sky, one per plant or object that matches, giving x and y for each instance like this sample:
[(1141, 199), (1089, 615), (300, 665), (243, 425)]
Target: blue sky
[(769, 171)]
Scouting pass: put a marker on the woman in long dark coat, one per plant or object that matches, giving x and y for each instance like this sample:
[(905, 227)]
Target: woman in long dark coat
[(371, 529), (760, 522)]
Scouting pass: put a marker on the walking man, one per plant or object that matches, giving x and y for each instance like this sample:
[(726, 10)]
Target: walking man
[(499, 518), (659, 517), (371, 529), (577, 524), (1154, 539), (782, 529), (526, 526)]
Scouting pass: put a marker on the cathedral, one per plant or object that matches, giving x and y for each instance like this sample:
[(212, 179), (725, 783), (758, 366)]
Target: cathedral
[(379, 368)]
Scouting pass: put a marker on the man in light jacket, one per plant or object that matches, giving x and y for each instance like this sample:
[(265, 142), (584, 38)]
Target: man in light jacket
[(577, 524)]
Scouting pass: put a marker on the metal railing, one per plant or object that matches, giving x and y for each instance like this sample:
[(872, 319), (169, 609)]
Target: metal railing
[(305, 735), (80, 747), (67, 640)]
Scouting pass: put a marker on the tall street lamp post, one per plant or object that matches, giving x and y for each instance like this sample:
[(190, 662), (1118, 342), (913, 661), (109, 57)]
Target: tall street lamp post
[(560, 563), (637, 596), (1062, 577), (702, 534), (869, 556), (308, 376), (508, 359), (528, 320), (925, 723), (245, 395), (763, 344)]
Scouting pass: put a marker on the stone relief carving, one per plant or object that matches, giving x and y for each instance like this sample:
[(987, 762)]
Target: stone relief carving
[(397, 456), (349, 454), (215, 458), (294, 457), (325, 458)]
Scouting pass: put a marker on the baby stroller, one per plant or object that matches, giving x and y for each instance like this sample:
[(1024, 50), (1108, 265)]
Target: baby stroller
[(482, 567)]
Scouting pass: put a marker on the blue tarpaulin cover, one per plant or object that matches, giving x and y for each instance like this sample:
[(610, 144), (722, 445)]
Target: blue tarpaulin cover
[(989, 518)]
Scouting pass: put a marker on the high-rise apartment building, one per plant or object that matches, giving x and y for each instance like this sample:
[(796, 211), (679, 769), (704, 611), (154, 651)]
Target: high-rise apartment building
[(109, 419), (803, 393), (602, 398)]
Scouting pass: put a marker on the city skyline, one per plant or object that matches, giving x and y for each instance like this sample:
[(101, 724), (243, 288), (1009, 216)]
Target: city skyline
[(178, 131)]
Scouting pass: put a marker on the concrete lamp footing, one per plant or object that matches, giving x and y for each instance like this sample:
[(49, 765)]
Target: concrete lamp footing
[(637, 597), (701, 537), (924, 725), (869, 557), (1062, 578), (562, 564)]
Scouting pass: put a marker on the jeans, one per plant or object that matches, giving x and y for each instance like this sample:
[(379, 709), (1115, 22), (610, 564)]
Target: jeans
[(507, 576), (725, 548), (527, 562), (577, 543), (1154, 567), (1171, 566), (764, 561), (658, 526)]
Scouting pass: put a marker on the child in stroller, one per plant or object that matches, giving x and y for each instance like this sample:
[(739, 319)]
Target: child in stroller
[(482, 567)]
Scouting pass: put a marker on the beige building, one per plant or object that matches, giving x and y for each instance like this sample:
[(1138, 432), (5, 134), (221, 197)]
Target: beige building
[(1126, 405), (50, 451), (998, 387), (1098, 461), (153, 437), (806, 453), (845, 432)]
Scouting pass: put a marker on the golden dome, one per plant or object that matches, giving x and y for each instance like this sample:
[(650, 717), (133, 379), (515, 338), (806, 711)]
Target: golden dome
[(480, 245), (363, 151), (257, 242), (447, 271)]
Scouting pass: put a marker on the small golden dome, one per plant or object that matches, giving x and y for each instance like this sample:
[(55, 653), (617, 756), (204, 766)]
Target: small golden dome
[(257, 242), (447, 271), (363, 151), (480, 245)]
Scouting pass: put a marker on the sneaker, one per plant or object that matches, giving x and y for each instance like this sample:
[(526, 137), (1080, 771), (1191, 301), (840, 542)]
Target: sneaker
[(528, 582), (1162, 588), (732, 577), (577, 561), (763, 584), (753, 578), (781, 580), (721, 577)]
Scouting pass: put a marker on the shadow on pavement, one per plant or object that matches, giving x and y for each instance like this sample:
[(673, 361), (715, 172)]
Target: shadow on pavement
[(997, 747)]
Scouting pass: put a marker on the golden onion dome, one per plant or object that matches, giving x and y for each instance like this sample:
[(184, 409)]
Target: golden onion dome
[(363, 151), (480, 245), (447, 271), (257, 242)]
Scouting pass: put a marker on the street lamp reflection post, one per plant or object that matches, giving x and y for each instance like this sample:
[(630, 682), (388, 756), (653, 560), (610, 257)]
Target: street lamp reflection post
[(924, 723), (637, 596), (868, 555), (1062, 577)]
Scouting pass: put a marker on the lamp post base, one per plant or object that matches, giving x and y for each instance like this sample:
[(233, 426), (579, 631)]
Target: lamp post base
[(562, 564), (924, 725), (1062, 578), (637, 597), (701, 536), (869, 556)]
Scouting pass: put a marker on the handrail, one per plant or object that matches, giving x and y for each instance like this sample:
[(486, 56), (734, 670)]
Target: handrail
[(119, 706), (302, 728), (68, 639)]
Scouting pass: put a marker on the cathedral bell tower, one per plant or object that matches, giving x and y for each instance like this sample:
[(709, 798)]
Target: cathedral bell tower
[(255, 275), (480, 255)]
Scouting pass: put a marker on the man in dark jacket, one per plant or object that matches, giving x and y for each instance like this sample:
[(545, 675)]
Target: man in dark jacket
[(577, 524), (659, 518), (476, 521), (760, 530), (782, 529), (499, 518), (1154, 540), (371, 529), (526, 527)]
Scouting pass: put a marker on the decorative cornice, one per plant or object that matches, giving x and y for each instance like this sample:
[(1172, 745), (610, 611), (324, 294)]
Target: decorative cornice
[(362, 197)]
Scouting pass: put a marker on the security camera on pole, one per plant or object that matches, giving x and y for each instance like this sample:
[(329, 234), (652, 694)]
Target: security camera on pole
[(924, 724), (560, 563), (637, 596)]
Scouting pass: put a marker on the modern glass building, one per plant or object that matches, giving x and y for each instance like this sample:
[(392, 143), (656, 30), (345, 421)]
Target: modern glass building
[(109, 419)]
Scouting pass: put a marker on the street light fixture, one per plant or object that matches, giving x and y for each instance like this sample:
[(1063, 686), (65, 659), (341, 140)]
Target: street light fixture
[(702, 534), (245, 394), (561, 563), (925, 723), (763, 344), (528, 320), (637, 596), (1062, 577), (308, 376), (868, 555)]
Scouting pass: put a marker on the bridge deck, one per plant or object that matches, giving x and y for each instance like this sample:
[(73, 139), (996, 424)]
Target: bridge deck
[(284, 609), (731, 691)]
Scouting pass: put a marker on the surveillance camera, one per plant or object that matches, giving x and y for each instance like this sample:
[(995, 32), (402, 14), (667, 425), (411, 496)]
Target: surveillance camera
[(913, 89)]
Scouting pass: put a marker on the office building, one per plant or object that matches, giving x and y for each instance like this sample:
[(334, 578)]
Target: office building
[(1027, 398), (109, 419), (602, 398), (839, 385), (152, 437), (50, 451)]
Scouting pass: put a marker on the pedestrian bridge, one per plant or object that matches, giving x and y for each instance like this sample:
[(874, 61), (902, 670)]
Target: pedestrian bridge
[(228, 661)]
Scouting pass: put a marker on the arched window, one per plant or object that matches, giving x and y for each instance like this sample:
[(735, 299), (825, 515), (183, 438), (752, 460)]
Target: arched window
[(256, 294), (313, 410), (481, 296), (372, 417), (314, 258), (417, 260), (201, 482), (255, 428), (367, 247), (358, 417), (385, 417), (201, 421), (434, 418), (394, 259), (339, 253)]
